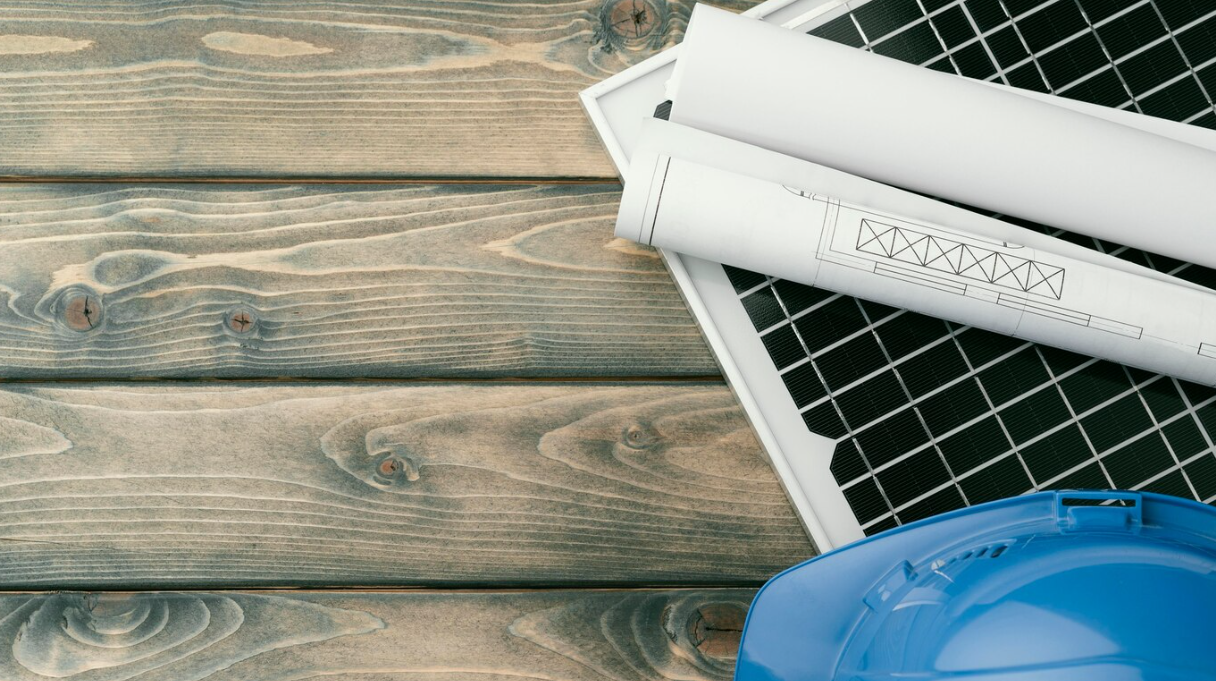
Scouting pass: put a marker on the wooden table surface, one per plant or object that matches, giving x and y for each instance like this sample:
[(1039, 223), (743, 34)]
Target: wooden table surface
[(319, 358)]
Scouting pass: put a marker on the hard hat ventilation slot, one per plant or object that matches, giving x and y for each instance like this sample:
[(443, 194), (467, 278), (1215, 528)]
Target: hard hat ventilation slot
[(991, 551)]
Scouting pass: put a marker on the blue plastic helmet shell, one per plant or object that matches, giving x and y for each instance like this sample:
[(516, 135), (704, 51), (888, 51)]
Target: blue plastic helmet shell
[(1055, 586)]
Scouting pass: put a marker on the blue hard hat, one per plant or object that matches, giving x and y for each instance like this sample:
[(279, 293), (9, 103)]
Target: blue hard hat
[(1052, 586)]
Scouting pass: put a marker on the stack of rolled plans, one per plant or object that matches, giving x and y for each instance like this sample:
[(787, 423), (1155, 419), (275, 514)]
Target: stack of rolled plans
[(820, 174)]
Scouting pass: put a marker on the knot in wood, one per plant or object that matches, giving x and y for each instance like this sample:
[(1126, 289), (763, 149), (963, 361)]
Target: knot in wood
[(80, 310), (716, 629), (242, 320), (632, 19), (640, 436), (392, 468)]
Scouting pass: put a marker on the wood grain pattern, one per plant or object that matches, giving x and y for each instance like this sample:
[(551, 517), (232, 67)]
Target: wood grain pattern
[(225, 636), (509, 484), (250, 281), (313, 88)]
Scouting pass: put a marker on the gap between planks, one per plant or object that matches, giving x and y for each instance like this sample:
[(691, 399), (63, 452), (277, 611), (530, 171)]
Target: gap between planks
[(710, 379), (306, 181), (472, 589)]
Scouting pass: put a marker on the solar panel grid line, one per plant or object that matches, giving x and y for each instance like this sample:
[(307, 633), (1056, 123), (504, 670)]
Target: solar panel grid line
[(1092, 29), (1089, 29), (912, 400), (1157, 429), (1017, 31), (1192, 410), (803, 313), (991, 411), (795, 365), (1192, 119), (1077, 418), (931, 444), (866, 377), (1067, 400), (856, 24), (1045, 434), (1178, 46), (1000, 72)]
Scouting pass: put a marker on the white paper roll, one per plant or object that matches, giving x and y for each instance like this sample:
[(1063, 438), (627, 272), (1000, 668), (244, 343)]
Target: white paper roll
[(796, 233), (945, 136)]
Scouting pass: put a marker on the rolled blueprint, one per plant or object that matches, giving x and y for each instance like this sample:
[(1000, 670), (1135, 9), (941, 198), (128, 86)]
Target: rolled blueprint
[(1125, 314), (944, 135)]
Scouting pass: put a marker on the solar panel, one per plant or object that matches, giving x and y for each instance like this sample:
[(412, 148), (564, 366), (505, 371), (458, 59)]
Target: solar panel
[(929, 416)]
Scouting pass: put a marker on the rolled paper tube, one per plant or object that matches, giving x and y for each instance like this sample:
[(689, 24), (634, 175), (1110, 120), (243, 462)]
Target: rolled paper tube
[(1029, 293), (945, 136)]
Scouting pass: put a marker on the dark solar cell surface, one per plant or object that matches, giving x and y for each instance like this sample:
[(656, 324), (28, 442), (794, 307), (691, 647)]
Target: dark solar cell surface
[(930, 416)]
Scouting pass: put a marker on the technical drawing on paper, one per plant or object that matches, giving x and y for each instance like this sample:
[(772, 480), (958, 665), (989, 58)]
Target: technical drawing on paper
[(955, 257)]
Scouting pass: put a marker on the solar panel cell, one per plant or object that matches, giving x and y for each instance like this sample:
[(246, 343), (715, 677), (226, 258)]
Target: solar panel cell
[(904, 480), (842, 30), (988, 14), (783, 346), (1019, 7), (1138, 460), (823, 419), (887, 440), (797, 298), (916, 45), (875, 398), (1094, 384), (975, 445), (851, 361), (763, 309), (1027, 77), (1184, 438), (957, 404), (804, 384), (1128, 32), (866, 500), (934, 368), (1179, 100), (878, 19), (1007, 47), (1089, 477), (1072, 61), (1202, 474), (1173, 483), (1034, 414), (1144, 71), (1118, 422), (1097, 10), (995, 480), (743, 280), (973, 61), (1199, 42), (954, 27), (942, 501), (847, 463), (1051, 25), (1179, 13), (833, 321), (1014, 376), (1054, 455), (1104, 88)]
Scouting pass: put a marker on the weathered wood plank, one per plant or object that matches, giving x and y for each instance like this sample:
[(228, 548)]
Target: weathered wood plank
[(225, 636), (127, 486), (314, 88), (248, 281)]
